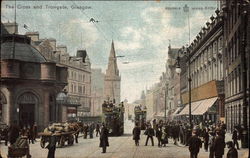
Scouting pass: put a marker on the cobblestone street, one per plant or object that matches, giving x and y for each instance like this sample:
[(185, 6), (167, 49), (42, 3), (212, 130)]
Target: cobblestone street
[(120, 147)]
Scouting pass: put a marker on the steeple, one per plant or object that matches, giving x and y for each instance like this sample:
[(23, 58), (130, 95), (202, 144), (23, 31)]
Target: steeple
[(112, 64)]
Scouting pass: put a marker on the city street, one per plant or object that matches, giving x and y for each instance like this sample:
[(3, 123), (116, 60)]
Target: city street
[(120, 147)]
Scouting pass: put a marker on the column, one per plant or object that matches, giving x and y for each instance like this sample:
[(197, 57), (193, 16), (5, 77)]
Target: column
[(46, 109)]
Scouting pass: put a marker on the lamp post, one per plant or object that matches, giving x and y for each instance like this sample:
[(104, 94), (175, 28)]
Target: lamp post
[(245, 133), (165, 105), (178, 70)]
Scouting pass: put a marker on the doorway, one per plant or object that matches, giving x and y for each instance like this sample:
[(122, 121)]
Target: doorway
[(26, 115)]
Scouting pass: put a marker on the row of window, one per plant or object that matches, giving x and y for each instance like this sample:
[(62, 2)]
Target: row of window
[(234, 115), (234, 82), (77, 88), (74, 75)]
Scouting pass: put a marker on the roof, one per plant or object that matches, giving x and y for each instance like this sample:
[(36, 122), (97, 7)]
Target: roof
[(20, 50)]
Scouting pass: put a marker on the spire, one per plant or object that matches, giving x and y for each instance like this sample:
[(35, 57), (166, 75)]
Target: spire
[(112, 64)]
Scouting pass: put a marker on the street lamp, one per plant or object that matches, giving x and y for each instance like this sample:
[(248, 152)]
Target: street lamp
[(60, 99), (178, 70)]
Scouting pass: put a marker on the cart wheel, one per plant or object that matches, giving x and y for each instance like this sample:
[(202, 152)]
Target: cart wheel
[(42, 142), (71, 140), (62, 141)]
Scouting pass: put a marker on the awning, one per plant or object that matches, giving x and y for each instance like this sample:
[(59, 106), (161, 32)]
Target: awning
[(176, 111), (194, 105), (204, 106)]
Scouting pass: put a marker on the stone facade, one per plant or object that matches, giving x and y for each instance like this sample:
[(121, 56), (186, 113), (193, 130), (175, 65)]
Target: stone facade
[(97, 91), (79, 75), (112, 80), (29, 83), (206, 63), (236, 60)]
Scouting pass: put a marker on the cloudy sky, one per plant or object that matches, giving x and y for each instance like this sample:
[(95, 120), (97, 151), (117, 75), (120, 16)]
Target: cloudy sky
[(141, 30)]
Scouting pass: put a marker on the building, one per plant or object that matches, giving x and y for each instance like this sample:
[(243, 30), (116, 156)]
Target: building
[(236, 58), (112, 79), (97, 91), (29, 83), (206, 73), (173, 100), (78, 90)]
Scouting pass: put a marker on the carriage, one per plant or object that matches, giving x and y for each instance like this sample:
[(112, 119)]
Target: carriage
[(20, 148), (65, 133), (113, 117), (140, 116)]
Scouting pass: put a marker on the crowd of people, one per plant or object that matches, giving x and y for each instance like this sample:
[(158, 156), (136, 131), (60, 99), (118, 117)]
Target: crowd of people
[(211, 136)]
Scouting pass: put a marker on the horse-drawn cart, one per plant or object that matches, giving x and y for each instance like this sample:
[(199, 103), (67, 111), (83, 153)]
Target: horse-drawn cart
[(61, 138)]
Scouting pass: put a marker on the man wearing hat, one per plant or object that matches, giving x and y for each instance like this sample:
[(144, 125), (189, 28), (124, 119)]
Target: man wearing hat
[(194, 145), (219, 145), (52, 144), (104, 143), (232, 152)]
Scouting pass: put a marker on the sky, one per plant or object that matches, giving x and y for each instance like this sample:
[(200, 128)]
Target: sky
[(141, 31)]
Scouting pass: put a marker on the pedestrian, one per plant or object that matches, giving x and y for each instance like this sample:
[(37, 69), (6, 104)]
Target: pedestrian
[(52, 144), (136, 134), (30, 134), (206, 138), (91, 131), (164, 136), (194, 145), (235, 138), (34, 128), (158, 134), (150, 133), (5, 135), (232, 152), (97, 129), (219, 145), (14, 132), (211, 144), (104, 143), (85, 131)]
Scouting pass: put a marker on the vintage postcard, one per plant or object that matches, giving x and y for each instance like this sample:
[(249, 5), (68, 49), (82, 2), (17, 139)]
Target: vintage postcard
[(125, 79)]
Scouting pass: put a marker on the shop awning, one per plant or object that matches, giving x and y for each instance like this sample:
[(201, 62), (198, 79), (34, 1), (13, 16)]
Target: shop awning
[(204, 106), (194, 105), (176, 111)]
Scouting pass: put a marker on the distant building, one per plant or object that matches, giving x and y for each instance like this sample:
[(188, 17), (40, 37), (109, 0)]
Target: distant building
[(97, 91), (112, 80)]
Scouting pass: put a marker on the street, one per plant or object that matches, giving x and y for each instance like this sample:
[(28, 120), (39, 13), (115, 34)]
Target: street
[(120, 147)]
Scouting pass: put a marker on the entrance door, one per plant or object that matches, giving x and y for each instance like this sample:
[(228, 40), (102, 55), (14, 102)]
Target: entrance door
[(26, 114)]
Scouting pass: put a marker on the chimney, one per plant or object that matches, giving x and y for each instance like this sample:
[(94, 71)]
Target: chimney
[(82, 54), (33, 35), (53, 43), (11, 27), (62, 49)]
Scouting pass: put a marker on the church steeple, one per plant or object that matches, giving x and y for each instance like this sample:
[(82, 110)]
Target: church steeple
[(112, 64), (112, 80)]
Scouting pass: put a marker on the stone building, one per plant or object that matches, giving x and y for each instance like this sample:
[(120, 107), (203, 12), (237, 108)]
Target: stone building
[(97, 91), (173, 80), (29, 83), (78, 98), (206, 72), (112, 79), (236, 58)]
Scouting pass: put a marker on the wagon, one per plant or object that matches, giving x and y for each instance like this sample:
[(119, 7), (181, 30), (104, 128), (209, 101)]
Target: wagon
[(61, 138)]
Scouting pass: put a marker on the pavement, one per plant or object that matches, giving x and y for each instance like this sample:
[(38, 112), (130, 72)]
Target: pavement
[(120, 147)]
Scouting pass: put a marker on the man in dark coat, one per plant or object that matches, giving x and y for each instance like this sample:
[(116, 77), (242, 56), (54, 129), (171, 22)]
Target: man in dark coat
[(52, 145), (206, 139), (219, 145), (13, 132), (150, 133), (232, 152), (97, 129), (158, 134), (136, 134), (194, 145), (104, 138), (34, 128), (235, 138)]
